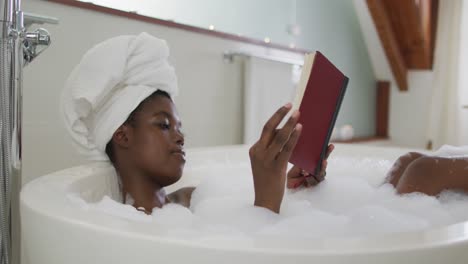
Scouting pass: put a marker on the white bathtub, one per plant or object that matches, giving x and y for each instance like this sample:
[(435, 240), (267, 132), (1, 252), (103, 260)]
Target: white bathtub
[(55, 232)]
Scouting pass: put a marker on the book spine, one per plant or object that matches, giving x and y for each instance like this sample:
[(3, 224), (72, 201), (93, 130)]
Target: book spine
[(332, 124)]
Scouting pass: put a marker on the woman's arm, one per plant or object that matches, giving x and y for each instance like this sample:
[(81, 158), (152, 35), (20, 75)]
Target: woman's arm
[(432, 175)]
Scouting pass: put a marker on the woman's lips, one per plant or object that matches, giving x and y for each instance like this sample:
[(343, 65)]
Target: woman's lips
[(179, 153)]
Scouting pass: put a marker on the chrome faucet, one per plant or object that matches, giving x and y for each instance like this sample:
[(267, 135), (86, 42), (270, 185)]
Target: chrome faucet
[(35, 43)]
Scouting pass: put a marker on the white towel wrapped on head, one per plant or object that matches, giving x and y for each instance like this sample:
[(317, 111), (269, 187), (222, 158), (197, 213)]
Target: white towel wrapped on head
[(111, 80)]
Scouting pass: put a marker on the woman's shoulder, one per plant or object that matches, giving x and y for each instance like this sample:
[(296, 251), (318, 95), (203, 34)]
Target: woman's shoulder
[(182, 196)]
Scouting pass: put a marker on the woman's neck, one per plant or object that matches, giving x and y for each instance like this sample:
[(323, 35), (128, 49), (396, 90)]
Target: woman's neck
[(141, 191)]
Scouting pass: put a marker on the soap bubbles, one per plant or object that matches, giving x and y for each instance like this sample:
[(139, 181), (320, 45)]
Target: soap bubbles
[(353, 201)]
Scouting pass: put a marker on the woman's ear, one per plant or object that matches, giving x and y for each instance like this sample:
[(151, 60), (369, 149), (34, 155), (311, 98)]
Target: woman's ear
[(121, 136)]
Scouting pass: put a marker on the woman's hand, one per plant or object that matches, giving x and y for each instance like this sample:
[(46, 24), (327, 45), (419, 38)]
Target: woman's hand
[(298, 177), (269, 158)]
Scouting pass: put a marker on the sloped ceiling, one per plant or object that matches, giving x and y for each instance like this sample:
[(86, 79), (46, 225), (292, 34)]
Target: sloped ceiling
[(406, 32)]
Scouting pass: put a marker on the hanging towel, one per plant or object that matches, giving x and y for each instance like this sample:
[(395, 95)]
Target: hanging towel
[(267, 86)]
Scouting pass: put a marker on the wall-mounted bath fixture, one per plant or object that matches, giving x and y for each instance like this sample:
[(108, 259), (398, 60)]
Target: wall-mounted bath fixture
[(36, 42)]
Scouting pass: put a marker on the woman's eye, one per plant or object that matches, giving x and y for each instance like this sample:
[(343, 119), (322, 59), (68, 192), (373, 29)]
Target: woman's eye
[(164, 126)]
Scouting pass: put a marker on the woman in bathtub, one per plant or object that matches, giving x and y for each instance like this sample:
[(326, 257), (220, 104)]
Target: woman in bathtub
[(118, 106)]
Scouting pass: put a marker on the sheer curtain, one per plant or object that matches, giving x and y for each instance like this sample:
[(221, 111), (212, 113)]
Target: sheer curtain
[(446, 113), (463, 77)]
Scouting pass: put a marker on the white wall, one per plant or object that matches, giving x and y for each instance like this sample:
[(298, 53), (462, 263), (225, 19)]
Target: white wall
[(409, 110), (210, 101)]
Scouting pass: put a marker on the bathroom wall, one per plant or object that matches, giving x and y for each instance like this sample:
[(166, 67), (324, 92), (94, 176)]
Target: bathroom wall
[(257, 19), (330, 26), (210, 101)]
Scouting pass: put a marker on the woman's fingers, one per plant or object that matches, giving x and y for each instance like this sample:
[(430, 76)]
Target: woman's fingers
[(330, 149), (295, 172), (303, 179), (283, 136), (311, 181), (298, 177), (295, 177), (285, 153), (321, 176), (293, 183), (268, 132), (323, 169)]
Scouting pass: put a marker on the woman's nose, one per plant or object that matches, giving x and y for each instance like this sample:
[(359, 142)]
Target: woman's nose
[(179, 137)]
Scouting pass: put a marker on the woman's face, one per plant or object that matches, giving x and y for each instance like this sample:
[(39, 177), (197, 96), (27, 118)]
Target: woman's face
[(156, 142)]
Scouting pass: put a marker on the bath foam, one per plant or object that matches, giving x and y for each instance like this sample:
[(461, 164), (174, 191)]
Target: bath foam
[(351, 202)]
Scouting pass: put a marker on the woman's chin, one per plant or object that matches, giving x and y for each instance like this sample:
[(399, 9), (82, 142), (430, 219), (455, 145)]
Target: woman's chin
[(175, 177)]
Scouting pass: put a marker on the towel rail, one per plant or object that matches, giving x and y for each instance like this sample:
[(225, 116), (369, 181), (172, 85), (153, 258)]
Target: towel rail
[(229, 57)]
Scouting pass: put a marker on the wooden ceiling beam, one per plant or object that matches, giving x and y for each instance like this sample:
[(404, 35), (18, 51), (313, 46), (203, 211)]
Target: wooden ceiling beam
[(411, 22), (389, 41)]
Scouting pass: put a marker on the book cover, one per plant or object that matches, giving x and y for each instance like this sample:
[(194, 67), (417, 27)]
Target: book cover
[(319, 95)]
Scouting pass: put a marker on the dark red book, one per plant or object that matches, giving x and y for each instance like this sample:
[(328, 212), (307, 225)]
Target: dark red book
[(319, 95)]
